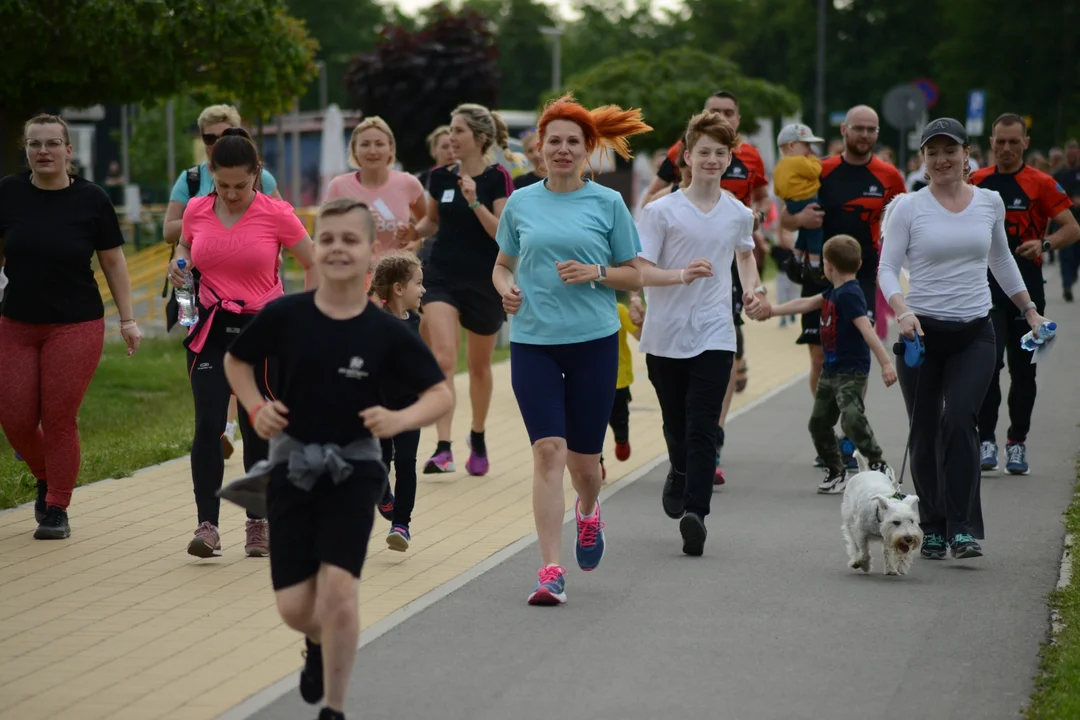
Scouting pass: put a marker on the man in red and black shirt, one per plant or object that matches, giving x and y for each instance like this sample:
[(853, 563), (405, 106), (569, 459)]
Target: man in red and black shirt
[(1032, 199), (855, 188)]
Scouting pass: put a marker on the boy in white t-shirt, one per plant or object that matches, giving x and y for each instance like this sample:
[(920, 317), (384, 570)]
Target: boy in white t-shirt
[(689, 331)]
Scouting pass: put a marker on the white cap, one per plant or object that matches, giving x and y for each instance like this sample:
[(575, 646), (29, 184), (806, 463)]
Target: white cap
[(797, 132)]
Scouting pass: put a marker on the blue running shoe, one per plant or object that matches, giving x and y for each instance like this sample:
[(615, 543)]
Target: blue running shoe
[(590, 538), (1016, 459), (550, 586), (398, 539), (988, 455)]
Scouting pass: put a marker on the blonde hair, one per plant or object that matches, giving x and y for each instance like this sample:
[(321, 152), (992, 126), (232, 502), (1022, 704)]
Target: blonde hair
[(46, 119), (433, 137), (712, 125), (393, 268), (482, 121), (216, 114), (343, 206), (367, 124)]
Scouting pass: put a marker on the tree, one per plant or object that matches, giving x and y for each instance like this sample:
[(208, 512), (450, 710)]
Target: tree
[(64, 54), (671, 86), (608, 28), (343, 28), (414, 79), (521, 46), (148, 150)]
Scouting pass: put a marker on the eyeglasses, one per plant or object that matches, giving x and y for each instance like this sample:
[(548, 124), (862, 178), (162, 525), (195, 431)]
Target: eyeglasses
[(864, 129), (209, 138), (51, 143)]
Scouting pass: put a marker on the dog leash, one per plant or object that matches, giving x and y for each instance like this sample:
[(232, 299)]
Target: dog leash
[(913, 353)]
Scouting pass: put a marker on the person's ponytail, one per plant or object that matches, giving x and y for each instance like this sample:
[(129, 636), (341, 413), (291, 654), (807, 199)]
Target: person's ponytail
[(502, 139), (614, 126)]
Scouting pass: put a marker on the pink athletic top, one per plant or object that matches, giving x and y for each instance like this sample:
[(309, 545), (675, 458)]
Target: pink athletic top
[(390, 203), (239, 264)]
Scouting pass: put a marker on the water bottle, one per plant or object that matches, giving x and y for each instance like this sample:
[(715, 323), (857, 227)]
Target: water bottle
[(1044, 334), (185, 297)]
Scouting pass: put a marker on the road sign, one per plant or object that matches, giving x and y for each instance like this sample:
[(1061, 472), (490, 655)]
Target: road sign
[(836, 119), (903, 106), (928, 89), (976, 112)]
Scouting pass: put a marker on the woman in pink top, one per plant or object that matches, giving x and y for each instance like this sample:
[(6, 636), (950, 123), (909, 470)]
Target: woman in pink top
[(234, 237), (395, 198)]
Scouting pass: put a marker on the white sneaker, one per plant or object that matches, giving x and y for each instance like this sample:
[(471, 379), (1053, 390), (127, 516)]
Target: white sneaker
[(833, 484)]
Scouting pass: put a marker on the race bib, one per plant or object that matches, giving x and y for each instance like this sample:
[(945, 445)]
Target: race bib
[(448, 196)]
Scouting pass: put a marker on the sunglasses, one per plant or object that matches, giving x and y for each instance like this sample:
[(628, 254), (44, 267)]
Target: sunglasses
[(209, 139)]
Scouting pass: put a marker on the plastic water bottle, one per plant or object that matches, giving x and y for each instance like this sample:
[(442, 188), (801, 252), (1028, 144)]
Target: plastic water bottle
[(185, 297), (1043, 334)]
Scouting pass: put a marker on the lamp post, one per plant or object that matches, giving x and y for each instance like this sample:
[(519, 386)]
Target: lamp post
[(556, 55), (819, 119)]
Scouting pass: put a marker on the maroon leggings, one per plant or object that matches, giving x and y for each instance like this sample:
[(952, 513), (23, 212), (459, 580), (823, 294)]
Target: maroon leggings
[(44, 373)]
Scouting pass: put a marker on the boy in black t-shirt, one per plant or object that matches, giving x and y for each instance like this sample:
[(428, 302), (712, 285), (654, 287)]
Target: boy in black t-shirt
[(337, 355), (847, 337)]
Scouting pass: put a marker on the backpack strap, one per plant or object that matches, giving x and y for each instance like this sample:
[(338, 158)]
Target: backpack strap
[(194, 181)]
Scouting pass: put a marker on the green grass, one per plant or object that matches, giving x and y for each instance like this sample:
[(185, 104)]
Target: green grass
[(138, 412), (1057, 688)]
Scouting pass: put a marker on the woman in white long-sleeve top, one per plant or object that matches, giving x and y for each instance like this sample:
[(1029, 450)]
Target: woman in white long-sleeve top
[(950, 233)]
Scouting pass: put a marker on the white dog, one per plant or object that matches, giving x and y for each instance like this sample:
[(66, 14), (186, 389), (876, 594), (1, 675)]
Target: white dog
[(873, 509)]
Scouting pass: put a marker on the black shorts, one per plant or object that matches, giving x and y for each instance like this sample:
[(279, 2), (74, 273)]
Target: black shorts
[(479, 306), (811, 321), (330, 524)]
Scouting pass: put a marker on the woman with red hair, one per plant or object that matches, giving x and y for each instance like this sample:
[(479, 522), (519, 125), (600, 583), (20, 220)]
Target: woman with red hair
[(565, 246)]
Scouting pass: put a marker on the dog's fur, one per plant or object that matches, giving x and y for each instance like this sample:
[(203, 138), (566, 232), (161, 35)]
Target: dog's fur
[(871, 511)]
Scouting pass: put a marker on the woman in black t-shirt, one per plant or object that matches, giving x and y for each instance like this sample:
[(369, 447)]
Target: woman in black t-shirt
[(51, 333), (467, 199)]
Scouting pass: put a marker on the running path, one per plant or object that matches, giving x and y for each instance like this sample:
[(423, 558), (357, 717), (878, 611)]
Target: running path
[(770, 623), (119, 622)]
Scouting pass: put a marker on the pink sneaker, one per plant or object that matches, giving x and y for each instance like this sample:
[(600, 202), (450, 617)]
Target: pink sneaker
[(477, 464), (441, 462), (206, 541), (258, 538)]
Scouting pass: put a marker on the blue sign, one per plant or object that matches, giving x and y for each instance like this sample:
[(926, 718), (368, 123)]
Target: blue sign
[(976, 109), (836, 119), (929, 90)]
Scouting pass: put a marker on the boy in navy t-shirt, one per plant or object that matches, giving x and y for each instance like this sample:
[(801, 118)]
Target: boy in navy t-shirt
[(847, 337)]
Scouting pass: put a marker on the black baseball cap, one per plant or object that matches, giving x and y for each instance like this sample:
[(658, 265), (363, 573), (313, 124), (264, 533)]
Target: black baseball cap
[(944, 126)]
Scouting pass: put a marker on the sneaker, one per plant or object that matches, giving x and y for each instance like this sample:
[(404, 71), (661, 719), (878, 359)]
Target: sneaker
[(590, 538), (477, 464), (1016, 459), (692, 529), (933, 547), (834, 483), (54, 526), (258, 538), (441, 462), (1068, 295), (964, 546), (206, 542), (550, 586), (311, 676), (674, 495), (330, 714), (847, 451), (399, 537), (718, 477), (883, 467), (39, 504), (988, 455), (386, 507), (783, 322), (622, 451)]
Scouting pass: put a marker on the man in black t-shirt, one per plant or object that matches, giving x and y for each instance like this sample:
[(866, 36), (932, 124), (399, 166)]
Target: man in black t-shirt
[(1068, 177), (338, 356)]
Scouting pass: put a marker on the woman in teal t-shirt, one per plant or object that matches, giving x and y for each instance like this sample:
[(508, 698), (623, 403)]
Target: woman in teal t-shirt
[(565, 245)]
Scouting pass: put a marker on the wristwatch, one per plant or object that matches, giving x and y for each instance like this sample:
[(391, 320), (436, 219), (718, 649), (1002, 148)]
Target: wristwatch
[(1047, 247), (601, 272), (761, 290)]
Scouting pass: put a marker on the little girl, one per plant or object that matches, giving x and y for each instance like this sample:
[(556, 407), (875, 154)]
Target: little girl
[(398, 281)]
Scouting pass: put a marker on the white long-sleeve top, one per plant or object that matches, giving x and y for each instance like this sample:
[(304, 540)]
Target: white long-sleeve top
[(947, 254)]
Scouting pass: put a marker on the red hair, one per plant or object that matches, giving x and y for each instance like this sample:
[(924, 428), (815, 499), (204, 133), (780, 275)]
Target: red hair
[(608, 126)]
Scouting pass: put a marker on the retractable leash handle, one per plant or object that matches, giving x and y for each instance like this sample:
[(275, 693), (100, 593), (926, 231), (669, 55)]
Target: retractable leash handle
[(914, 353)]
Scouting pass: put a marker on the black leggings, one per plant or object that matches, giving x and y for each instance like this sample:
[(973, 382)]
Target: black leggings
[(943, 398), (401, 449), (620, 415), (211, 393), (1009, 327)]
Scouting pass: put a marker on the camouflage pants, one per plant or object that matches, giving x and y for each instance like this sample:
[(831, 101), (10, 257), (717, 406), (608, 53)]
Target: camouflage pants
[(840, 397)]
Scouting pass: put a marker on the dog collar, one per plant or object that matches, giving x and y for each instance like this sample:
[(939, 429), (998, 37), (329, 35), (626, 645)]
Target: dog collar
[(898, 495)]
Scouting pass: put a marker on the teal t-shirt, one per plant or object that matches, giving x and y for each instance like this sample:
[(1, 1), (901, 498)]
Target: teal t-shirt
[(206, 184), (539, 227)]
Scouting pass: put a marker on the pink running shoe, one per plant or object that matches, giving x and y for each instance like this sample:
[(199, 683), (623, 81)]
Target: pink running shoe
[(477, 464), (206, 541), (441, 462), (550, 586)]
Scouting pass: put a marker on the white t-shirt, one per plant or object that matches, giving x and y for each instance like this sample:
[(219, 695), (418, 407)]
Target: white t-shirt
[(683, 321), (947, 254)]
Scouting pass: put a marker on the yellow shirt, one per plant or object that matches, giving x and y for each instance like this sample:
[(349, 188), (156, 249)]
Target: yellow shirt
[(797, 177), (626, 360)]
